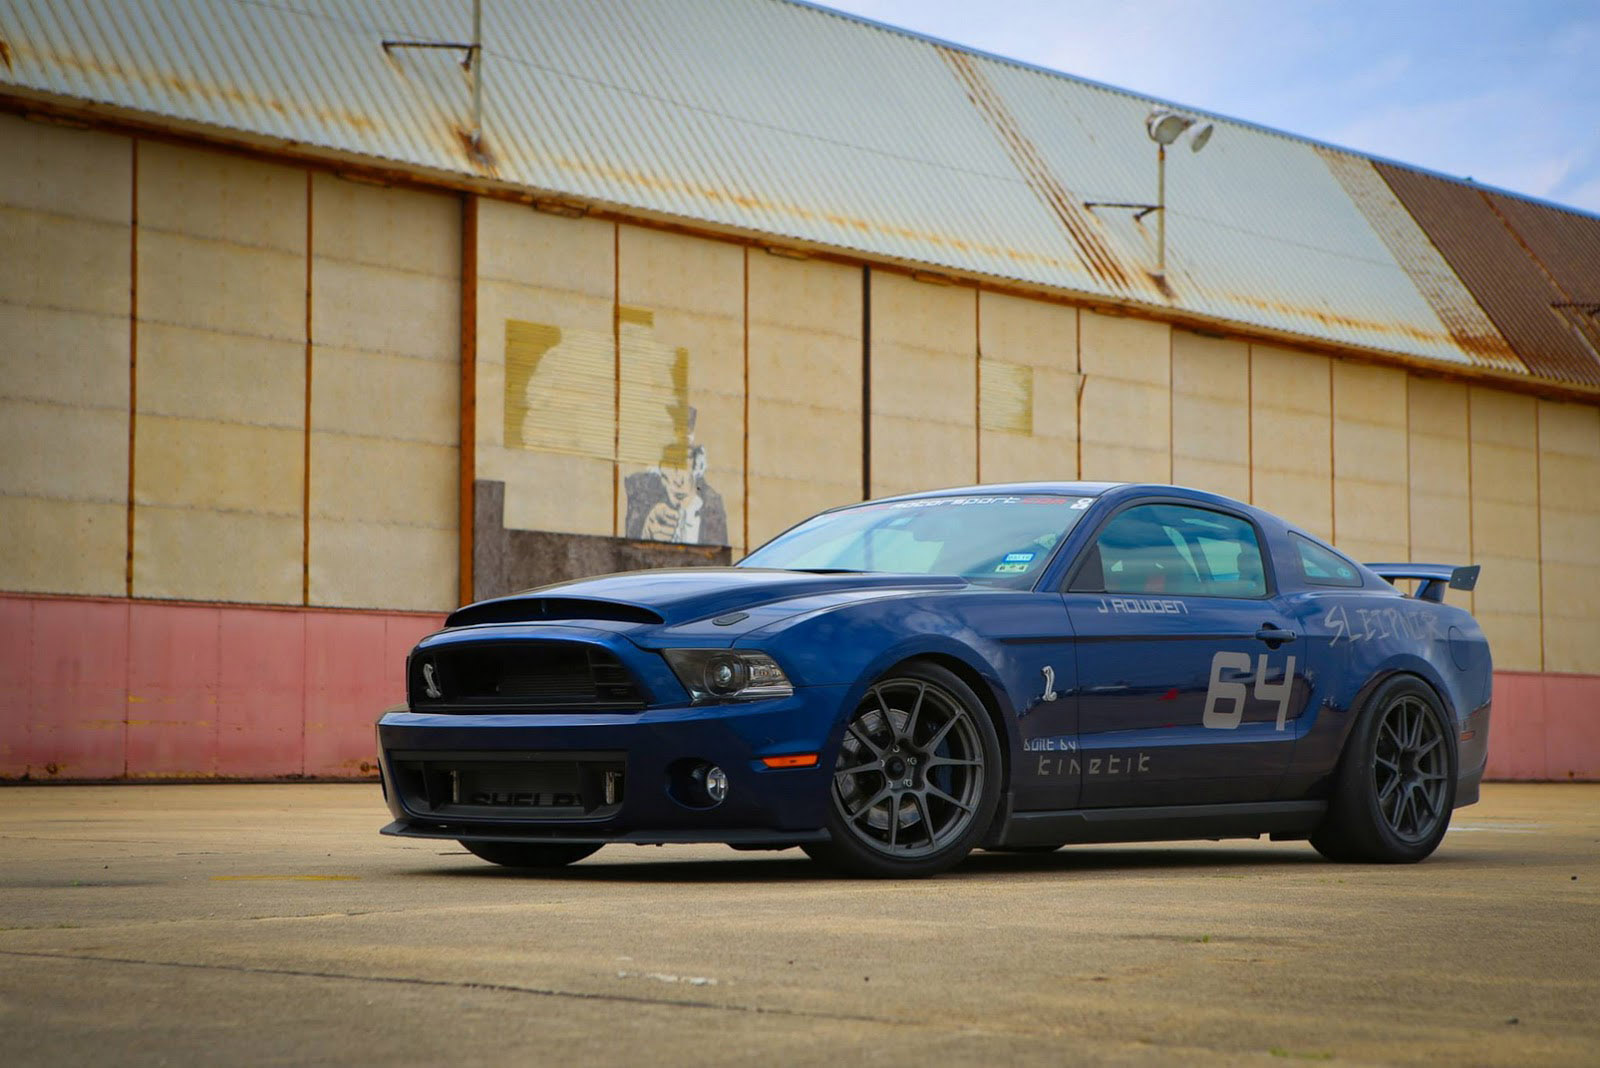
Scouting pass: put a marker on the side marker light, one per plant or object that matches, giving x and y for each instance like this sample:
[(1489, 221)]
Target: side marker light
[(794, 760)]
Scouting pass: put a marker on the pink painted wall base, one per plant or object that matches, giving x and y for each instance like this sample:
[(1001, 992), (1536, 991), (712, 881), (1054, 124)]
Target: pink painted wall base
[(113, 689), (1545, 728), (116, 689)]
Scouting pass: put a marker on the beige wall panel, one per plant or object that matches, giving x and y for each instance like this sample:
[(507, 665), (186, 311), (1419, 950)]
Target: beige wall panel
[(384, 396), (54, 451), (216, 556), (1569, 530), (924, 385), (1143, 452), (1292, 463), (63, 357), (230, 467), (201, 374), (221, 198), (1133, 350), (403, 230), (544, 269), (69, 263), (56, 546), (1439, 470), (1505, 528), (362, 306), (546, 252), (219, 445), (1050, 453), (65, 205), (1371, 486), (372, 565), (1042, 337), (1126, 413), (693, 290), (65, 171), (383, 523), (373, 480), (805, 391), (221, 287), (1211, 414)]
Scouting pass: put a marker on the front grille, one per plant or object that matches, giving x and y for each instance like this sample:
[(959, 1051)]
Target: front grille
[(531, 676), (522, 786)]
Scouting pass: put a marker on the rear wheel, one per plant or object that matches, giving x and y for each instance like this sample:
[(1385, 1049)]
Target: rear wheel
[(917, 778), (1396, 783), (531, 854)]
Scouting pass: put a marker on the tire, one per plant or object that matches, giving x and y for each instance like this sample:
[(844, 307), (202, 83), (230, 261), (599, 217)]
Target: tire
[(917, 778), (1396, 783), (531, 854)]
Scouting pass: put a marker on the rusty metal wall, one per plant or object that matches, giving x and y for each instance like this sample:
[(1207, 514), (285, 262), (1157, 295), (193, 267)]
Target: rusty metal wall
[(1491, 256)]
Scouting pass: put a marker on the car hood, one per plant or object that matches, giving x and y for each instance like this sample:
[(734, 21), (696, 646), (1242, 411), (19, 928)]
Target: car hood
[(679, 595)]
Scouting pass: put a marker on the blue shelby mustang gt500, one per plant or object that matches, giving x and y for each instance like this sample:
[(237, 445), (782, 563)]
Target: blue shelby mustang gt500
[(891, 684)]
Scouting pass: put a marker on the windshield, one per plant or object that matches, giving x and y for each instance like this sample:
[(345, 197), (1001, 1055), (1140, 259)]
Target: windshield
[(1003, 540)]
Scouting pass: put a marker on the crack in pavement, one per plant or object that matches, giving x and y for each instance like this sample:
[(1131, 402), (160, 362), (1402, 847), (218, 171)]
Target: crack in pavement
[(462, 984)]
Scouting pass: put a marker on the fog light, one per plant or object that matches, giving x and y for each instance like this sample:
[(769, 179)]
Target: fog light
[(716, 784)]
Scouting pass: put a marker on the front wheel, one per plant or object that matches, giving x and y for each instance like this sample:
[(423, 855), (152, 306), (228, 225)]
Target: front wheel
[(531, 854), (917, 778), (1396, 783)]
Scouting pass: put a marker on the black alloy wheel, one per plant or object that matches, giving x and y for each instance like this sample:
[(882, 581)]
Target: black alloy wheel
[(1410, 770), (531, 854), (1397, 780), (917, 777)]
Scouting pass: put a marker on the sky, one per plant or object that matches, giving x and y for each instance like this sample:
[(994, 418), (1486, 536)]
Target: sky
[(1505, 92)]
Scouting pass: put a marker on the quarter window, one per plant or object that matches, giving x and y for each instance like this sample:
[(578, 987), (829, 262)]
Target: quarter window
[(1168, 549), (1322, 566)]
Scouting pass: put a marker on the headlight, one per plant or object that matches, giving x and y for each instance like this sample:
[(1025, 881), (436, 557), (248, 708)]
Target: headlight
[(727, 675)]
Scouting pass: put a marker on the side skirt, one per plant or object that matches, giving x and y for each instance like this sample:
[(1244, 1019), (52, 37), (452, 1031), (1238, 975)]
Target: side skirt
[(754, 838), (1281, 819)]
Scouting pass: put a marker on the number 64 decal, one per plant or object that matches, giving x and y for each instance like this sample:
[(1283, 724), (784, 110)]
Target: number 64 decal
[(1236, 692)]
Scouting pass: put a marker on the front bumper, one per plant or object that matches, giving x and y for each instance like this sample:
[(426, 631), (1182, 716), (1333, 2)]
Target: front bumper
[(645, 753)]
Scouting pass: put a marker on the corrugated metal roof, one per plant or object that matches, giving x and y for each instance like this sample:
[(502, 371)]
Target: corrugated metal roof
[(1417, 255), (785, 120), (1493, 260)]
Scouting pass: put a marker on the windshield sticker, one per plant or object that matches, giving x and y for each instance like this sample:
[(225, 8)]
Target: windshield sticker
[(1010, 569), (1081, 503), (954, 502), (1019, 558)]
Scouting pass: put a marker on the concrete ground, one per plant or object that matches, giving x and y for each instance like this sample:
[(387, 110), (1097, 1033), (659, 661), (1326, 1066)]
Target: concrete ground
[(260, 924)]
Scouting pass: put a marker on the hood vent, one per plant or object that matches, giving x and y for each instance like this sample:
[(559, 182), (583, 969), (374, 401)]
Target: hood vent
[(539, 609)]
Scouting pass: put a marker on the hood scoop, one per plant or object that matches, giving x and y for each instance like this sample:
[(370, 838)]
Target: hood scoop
[(541, 609)]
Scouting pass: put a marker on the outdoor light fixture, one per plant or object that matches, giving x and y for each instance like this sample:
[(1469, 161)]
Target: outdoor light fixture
[(1165, 127)]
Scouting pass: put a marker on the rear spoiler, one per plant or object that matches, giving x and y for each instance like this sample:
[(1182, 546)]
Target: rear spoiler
[(1434, 577)]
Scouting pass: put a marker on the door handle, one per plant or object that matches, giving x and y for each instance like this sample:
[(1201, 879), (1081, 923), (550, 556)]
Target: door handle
[(1274, 636)]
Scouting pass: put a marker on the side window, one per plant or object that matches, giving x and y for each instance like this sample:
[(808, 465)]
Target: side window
[(1166, 549), (1322, 566)]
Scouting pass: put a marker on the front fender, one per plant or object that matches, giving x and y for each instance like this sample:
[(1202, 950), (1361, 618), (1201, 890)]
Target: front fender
[(854, 645)]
